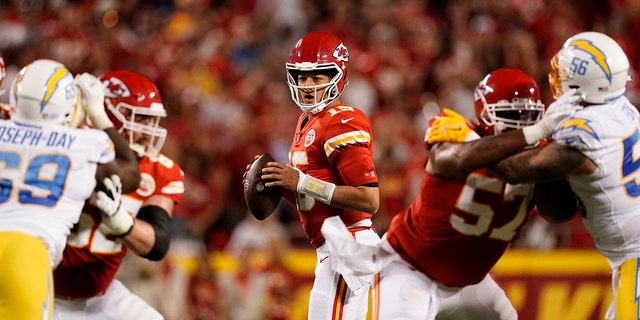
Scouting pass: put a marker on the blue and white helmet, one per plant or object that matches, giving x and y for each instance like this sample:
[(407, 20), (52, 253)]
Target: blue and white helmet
[(44, 94), (594, 64)]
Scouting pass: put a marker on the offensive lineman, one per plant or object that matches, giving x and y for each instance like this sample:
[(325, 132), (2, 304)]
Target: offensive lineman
[(85, 283), (597, 150), (436, 256), (48, 170)]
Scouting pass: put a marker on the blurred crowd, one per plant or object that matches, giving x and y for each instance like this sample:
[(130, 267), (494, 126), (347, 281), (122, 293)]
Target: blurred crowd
[(219, 65)]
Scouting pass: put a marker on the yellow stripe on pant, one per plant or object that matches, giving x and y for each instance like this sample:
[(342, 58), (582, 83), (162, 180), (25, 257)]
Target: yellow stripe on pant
[(628, 291)]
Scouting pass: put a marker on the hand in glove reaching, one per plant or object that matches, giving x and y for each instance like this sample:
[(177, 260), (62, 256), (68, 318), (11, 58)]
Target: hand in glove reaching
[(109, 201), (565, 106), (449, 127), (93, 100)]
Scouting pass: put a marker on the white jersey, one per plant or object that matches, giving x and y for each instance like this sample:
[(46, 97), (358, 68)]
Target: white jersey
[(45, 177), (609, 135)]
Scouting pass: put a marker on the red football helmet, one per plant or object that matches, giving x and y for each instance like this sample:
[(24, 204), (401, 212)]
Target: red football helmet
[(134, 106), (507, 99), (318, 52)]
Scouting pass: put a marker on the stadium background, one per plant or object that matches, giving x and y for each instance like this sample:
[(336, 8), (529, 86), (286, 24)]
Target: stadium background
[(220, 68)]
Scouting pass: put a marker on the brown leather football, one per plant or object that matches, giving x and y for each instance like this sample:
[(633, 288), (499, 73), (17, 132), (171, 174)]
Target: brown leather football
[(260, 200)]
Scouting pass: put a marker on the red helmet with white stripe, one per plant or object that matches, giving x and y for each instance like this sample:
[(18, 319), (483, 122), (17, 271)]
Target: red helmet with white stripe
[(507, 99), (320, 52), (134, 106)]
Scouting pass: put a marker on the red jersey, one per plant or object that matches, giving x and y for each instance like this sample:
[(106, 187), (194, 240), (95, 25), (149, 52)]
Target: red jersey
[(92, 256), (335, 146), (456, 229)]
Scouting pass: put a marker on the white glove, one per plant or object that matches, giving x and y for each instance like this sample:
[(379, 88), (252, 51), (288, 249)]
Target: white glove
[(563, 107), (567, 102), (92, 92), (119, 221)]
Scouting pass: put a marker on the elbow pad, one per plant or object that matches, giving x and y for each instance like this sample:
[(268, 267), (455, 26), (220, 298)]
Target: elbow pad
[(159, 219)]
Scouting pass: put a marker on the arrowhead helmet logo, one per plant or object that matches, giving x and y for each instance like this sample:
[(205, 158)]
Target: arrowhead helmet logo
[(116, 88), (341, 53)]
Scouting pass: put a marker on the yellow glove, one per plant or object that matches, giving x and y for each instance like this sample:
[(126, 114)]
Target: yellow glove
[(452, 127)]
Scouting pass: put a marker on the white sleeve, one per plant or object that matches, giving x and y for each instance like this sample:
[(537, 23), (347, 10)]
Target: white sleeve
[(101, 149), (578, 132)]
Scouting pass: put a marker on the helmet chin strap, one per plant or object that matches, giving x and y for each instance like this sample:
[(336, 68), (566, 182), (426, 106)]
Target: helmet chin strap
[(138, 149), (311, 110), (316, 109), (498, 128)]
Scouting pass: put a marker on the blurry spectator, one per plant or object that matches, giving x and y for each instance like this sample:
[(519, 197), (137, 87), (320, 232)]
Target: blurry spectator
[(259, 235), (204, 295), (261, 287)]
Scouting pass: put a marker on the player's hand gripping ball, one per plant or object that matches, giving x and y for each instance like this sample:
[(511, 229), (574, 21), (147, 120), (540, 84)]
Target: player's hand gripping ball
[(260, 200)]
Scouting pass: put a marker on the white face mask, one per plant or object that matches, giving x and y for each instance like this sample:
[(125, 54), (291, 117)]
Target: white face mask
[(328, 91)]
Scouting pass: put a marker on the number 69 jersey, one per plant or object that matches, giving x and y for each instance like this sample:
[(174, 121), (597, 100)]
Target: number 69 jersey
[(457, 229), (93, 256), (609, 135), (45, 177)]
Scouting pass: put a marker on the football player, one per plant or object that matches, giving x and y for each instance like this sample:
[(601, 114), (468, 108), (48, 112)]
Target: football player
[(596, 149), (48, 170), (85, 283), (330, 171), (437, 254)]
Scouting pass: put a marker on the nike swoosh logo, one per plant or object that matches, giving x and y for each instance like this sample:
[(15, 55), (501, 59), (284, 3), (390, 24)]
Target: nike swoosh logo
[(346, 120), (324, 258)]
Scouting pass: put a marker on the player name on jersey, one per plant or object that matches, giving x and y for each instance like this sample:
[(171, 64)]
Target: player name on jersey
[(33, 136)]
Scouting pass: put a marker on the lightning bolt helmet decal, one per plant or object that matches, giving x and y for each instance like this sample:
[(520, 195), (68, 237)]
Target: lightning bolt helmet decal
[(52, 84), (43, 94), (596, 54), (594, 64)]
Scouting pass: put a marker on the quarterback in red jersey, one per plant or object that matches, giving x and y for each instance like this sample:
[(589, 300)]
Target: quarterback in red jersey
[(86, 287), (442, 247), (331, 170)]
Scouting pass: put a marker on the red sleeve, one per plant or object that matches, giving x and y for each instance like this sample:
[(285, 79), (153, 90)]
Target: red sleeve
[(356, 166)]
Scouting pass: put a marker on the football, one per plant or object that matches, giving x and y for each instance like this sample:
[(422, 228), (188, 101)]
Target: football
[(260, 200), (557, 203)]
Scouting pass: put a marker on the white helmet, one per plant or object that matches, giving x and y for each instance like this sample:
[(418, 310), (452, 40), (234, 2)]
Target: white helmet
[(44, 94), (594, 64)]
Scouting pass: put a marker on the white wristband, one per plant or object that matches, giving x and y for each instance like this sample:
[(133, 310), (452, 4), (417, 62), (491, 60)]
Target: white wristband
[(120, 224), (537, 132), (315, 188), (100, 122)]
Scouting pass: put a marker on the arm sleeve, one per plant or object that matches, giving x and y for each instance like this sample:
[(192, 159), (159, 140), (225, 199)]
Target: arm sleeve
[(102, 149), (356, 166), (578, 133)]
